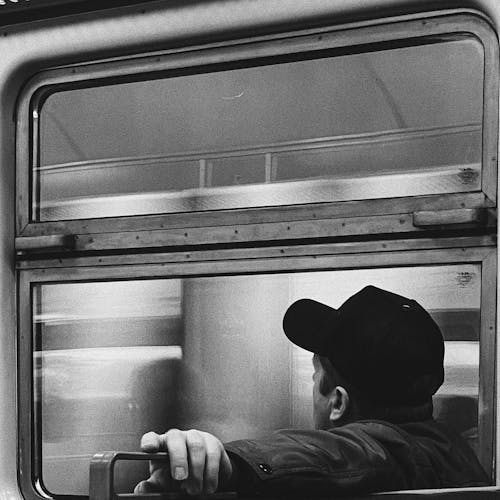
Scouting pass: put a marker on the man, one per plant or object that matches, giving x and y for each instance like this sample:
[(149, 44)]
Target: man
[(378, 360)]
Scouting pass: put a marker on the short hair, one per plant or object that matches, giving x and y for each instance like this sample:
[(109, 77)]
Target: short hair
[(362, 405), (331, 378)]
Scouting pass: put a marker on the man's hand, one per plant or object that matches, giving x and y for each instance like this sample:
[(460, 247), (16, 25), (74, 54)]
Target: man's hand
[(199, 463)]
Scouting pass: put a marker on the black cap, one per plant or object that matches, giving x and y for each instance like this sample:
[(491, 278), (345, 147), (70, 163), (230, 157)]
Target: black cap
[(382, 343)]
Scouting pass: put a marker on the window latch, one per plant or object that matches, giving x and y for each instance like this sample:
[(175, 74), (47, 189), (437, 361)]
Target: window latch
[(52, 242), (469, 217)]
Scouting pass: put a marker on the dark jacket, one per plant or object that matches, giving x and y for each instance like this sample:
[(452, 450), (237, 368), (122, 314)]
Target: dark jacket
[(361, 457)]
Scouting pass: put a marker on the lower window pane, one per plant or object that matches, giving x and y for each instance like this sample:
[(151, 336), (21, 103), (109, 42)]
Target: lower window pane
[(114, 360)]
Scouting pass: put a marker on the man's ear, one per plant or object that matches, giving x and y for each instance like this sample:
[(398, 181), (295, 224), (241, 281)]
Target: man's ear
[(339, 403)]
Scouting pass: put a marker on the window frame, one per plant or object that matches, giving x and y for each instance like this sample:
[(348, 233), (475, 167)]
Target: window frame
[(175, 229), (102, 248), (478, 250)]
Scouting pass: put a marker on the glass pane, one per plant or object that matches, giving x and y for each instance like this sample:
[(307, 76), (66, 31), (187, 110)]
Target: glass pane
[(114, 360), (398, 122)]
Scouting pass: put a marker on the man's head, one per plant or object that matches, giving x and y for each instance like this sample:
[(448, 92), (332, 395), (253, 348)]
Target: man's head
[(383, 350)]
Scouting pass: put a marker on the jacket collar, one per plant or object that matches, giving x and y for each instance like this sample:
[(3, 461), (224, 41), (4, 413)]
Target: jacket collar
[(400, 414)]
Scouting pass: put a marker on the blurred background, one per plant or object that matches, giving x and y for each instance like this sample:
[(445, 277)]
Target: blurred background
[(114, 360)]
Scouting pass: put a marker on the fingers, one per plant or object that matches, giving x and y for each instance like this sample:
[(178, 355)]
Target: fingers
[(225, 468), (161, 476), (196, 447), (151, 442), (196, 459), (174, 442), (212, 464)]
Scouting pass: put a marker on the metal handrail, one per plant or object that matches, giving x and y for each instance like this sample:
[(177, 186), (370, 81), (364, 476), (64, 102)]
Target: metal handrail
[(101, 483), (337, 142)]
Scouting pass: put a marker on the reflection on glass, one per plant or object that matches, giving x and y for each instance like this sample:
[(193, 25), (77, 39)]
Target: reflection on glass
[(116, 359), (407, 119)]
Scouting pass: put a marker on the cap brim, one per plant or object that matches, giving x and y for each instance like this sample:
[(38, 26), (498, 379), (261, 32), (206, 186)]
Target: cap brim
[(310, 325)]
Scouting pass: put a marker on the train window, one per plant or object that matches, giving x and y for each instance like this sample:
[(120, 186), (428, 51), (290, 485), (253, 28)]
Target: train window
[(171, 205), (260, 124), (115, 359), (275, 134)]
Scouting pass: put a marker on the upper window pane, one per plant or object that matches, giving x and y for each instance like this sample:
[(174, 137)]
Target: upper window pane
[(398, 122), (113, 360)]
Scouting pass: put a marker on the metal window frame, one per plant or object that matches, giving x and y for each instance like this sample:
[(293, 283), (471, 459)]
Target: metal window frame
[(44, 83), (254, 225), (327, 257)]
